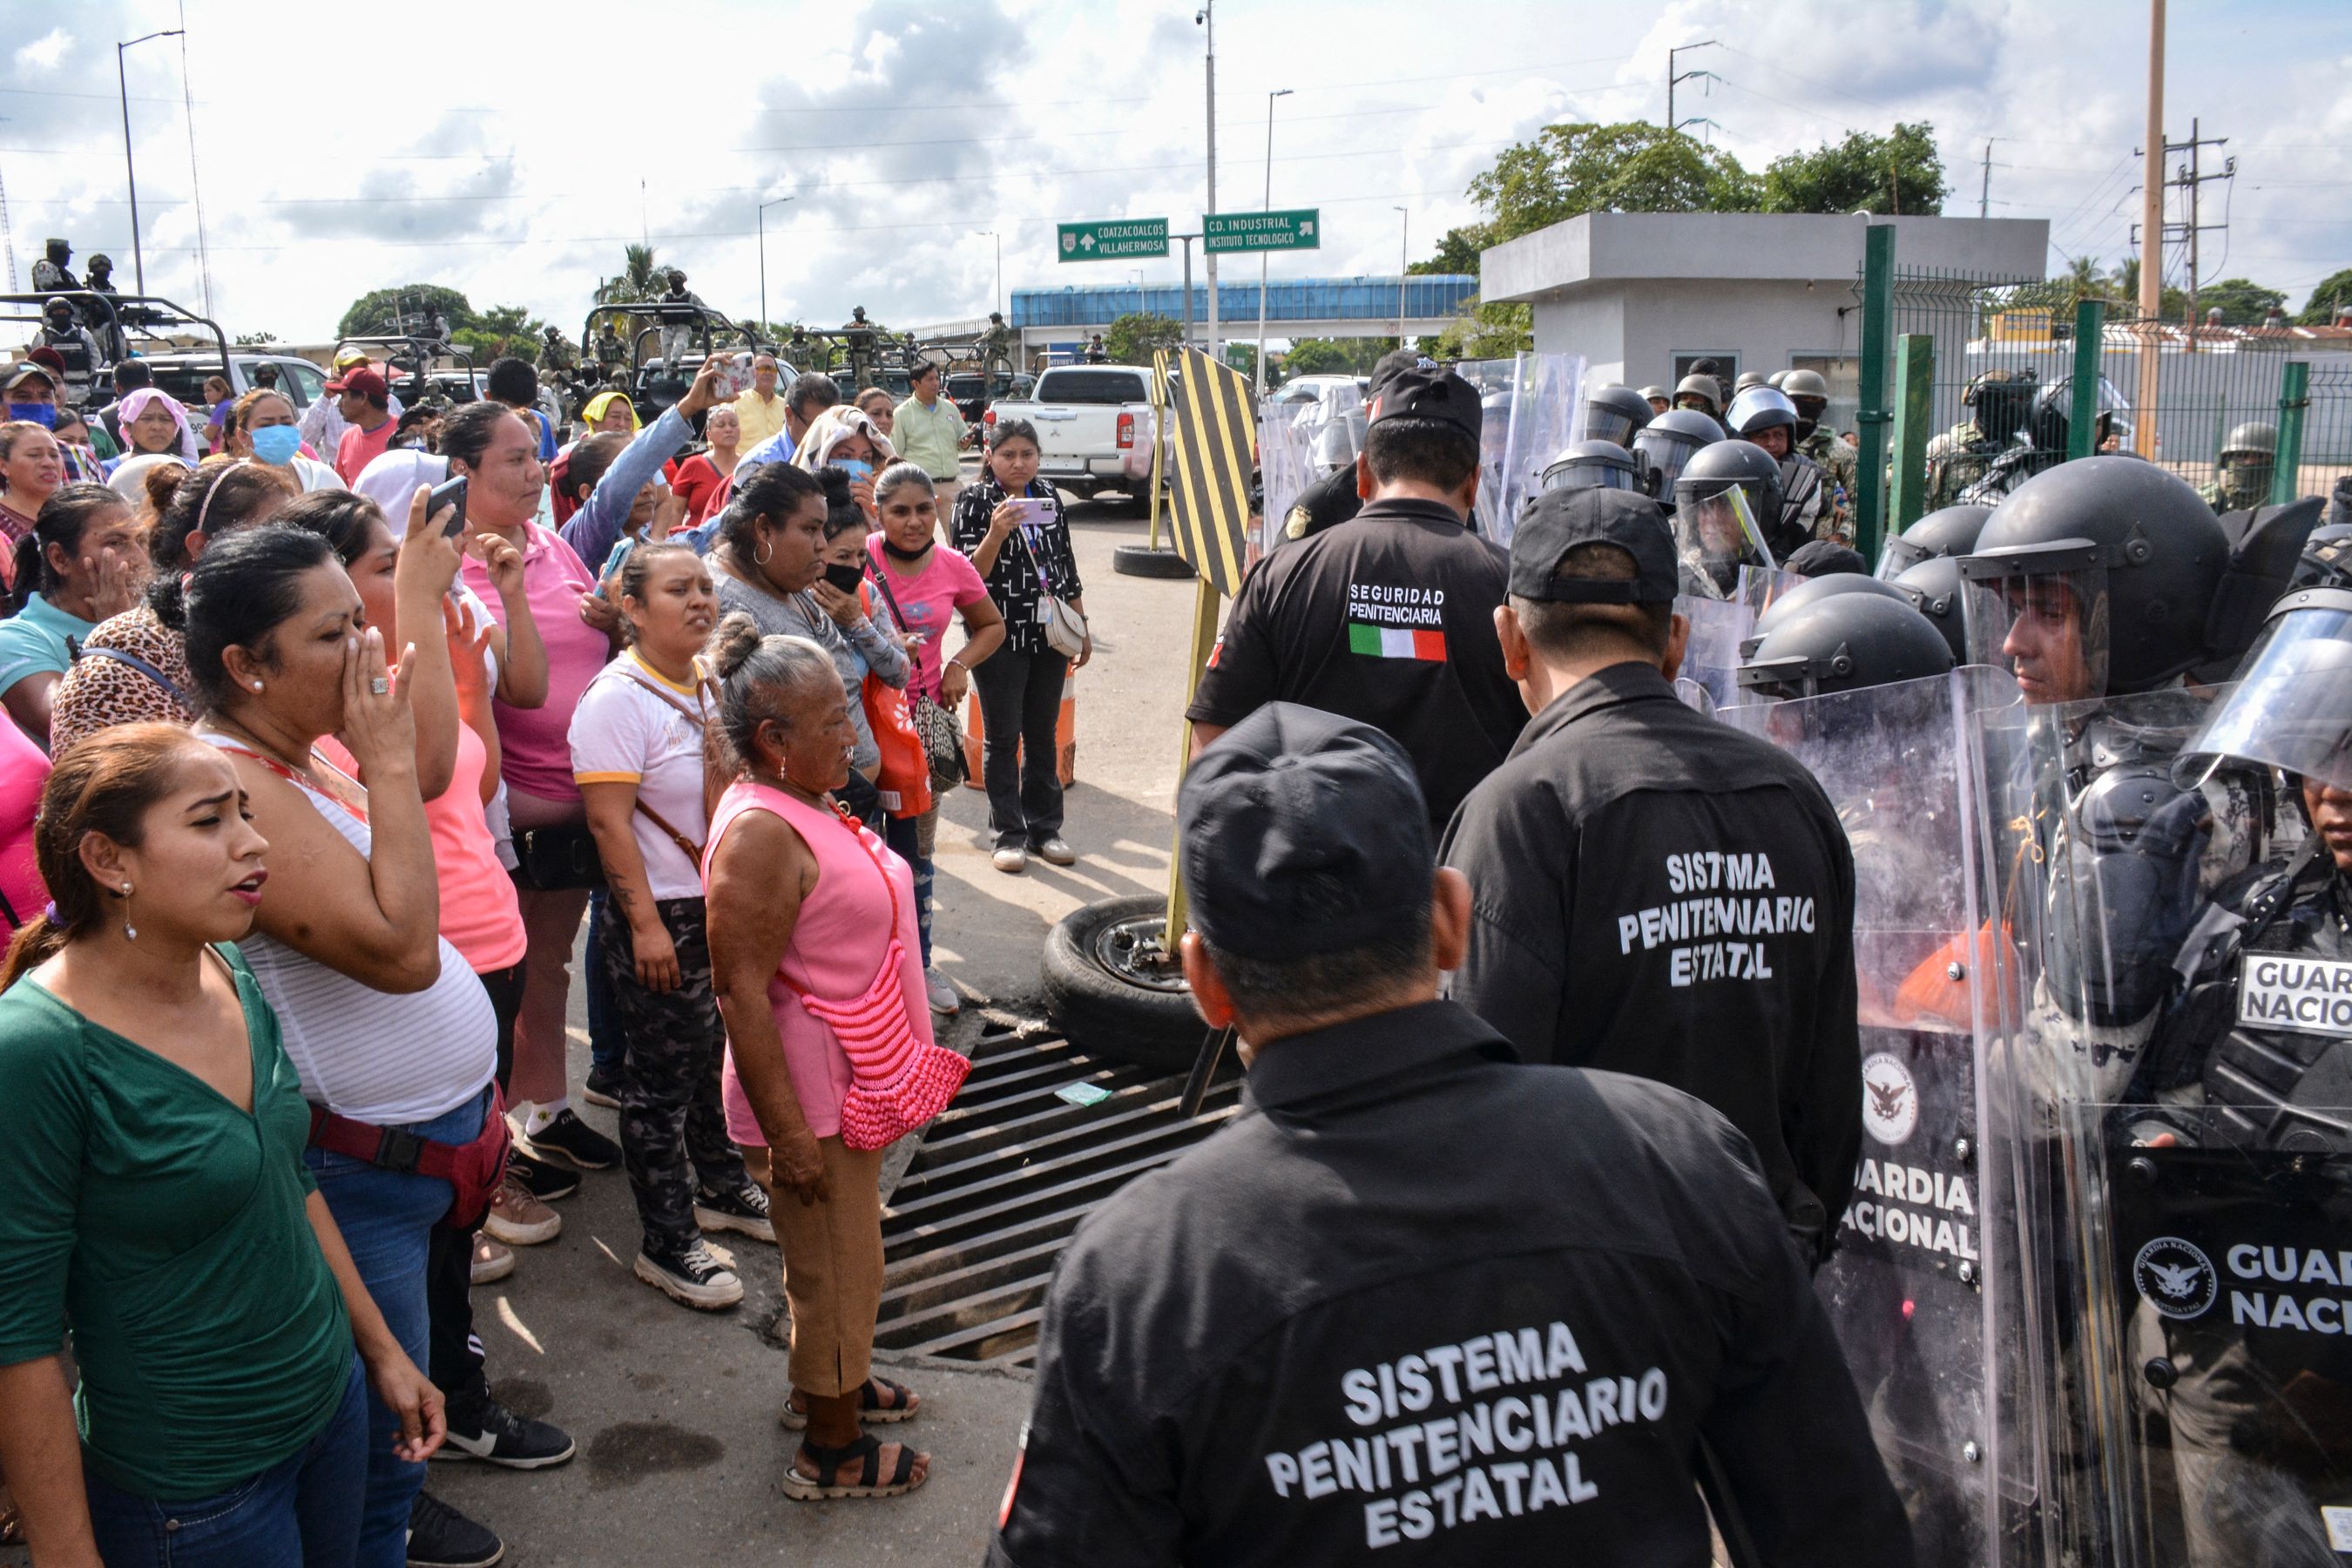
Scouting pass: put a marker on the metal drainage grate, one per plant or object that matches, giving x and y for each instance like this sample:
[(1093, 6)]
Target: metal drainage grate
[(1004, 1176)]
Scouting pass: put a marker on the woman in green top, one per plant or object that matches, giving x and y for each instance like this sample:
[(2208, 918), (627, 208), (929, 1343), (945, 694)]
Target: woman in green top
[(152, 1195)]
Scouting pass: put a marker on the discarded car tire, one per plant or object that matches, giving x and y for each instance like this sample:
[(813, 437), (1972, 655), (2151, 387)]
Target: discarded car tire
[(1142, 560), (1108, 992)]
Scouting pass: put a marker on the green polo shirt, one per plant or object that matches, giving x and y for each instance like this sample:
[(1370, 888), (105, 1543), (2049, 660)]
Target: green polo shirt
[(166, 1227), (32, 640), (932, 436)]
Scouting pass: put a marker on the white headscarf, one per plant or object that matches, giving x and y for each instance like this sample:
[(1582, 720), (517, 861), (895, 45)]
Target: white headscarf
[(831, 428), (391, 479), (129, 479)]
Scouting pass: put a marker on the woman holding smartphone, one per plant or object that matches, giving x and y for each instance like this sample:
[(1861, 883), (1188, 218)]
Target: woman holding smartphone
[(1011, 524)]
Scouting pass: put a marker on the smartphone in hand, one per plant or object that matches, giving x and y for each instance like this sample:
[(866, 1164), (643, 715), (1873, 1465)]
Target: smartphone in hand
[(449, 493)]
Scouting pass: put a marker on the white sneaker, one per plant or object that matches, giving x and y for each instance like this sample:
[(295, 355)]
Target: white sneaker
[(945, 999), (1011, 859), (1057, 852), (693, 1277)]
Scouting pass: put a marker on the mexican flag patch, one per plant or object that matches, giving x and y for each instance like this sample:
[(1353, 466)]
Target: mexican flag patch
[(1396, 642)]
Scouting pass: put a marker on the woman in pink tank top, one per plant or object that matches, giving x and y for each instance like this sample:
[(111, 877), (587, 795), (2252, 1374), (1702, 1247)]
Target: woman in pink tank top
[(813, 944)]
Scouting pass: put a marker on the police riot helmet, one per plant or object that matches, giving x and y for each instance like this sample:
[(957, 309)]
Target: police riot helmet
[(1844, 643), (1613, 413), (2096, 577), (1748, 379), (1937, 591), (1792, 601), (1947, 531), (2255, 439), (1667, 441), (1714, 532), (1594, 464), (2292, 706), (1706, 388), (1759, 409), (2326, 560)]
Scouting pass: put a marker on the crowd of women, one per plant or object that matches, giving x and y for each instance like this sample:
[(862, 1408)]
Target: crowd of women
[(307, 791)]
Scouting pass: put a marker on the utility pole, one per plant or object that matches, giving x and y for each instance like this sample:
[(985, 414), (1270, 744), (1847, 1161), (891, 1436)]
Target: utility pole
[(991, 234), (130, 172), (1279, 92), (2151, 245), (1984, 194), (1208, 19), (2190, 179), (1673, 127), (777, 201), (1404, 249)]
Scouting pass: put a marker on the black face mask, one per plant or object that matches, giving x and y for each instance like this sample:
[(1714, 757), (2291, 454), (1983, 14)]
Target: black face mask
[(895, 553)]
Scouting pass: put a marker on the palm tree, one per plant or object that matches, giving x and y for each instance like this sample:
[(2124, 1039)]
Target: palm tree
[(639, 278)]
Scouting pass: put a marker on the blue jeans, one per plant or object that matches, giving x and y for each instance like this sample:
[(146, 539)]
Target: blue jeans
[(608, 1043), (387, 1219), (301, 1512)]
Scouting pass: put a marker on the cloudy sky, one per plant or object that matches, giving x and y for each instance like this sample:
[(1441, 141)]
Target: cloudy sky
[(510, 150)]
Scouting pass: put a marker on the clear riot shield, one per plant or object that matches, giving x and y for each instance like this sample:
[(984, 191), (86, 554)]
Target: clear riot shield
[(1711, 656), (1533, 406), (1284, 462), (1928, 1289), (2190, 1260)]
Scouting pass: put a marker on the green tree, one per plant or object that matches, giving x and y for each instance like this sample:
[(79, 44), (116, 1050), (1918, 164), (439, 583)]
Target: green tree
[(1136, 336), (1633, 167), (2333, 290), (2242, 302), (1457, 253), (503, 329), (256, 340), (1487, 331), (640, 277), (1334, 356), (1900, 173), (2171, 303), (384, 313)]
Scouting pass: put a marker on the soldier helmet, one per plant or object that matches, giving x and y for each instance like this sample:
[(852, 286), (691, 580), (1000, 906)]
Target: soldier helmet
[(2141, 555), (1654, 394), (1843, 643), (1759, 409), (677, 278), (101, 262), (1800, 383), (1792, 602), (1937, 591), (58, 250), (1594, 464), (1948, 531), (58, 308), (1748, 379), (2254, 439), (554, 331), (1703, 387), (1778, 378), (1613, 413)]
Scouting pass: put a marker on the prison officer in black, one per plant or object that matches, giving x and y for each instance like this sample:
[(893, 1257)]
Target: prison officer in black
[(1387, 617), (1419, 1304), (1657, 893)]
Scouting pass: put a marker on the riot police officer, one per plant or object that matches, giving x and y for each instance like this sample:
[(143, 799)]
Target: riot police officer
[(2043, 443), (1947, 531), (1332, 500), (1844, 642), (1419, 1302), (1810, 392), (1614, 413), (1997, 402), (1769, 419), (1601, 464), (2247, 460), (1716, 535), (1668, 441)]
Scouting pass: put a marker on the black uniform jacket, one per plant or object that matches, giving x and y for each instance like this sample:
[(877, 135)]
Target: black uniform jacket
[(1387, 619), (1656, 893), (1422, 1304)]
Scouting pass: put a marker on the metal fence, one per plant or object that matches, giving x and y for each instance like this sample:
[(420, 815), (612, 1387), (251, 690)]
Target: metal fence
[(2327, 428)]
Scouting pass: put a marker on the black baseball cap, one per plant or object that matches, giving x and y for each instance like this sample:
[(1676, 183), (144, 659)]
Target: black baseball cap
[(1556, 522), (1396, 362), (1300, 832), (1430, 392)]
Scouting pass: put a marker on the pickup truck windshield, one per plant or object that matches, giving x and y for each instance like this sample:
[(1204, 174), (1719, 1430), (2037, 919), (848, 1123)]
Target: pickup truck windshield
[(1091, 386)]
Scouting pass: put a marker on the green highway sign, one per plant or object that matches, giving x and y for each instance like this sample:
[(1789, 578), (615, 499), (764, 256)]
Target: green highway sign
[(1114, 240), (1301, 229)]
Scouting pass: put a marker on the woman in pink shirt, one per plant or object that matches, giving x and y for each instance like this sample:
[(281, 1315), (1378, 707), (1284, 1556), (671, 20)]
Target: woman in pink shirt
[(24, 769), (802, 900), (496, 450)]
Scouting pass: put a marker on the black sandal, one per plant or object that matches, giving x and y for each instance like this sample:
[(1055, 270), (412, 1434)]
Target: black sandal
[(830, 1461), (871, 1412)]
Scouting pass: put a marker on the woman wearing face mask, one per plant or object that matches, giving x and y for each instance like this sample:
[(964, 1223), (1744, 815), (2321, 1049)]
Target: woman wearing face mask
[(153, 421), (133, 666), (930, 586), (846, 437), (31, 468), (771, 568), (261, 425), (82, 564)]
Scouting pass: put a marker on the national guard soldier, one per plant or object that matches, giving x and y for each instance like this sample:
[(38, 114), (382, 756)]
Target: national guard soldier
[(1998, 402), (1767, 418), (1658, 894), (679, 321), (996, 343), (1655, 396), (1419, 1303), (62, 330), (51, 275), (2247, 460), (1387, 619), (610, 350), (556, 356), (1811, 393), (1332, 500), (1702, 393), (104, 323)]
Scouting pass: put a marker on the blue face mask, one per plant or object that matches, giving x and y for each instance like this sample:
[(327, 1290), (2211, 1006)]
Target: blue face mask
[(43, 415), (277, 444), (856, 467)]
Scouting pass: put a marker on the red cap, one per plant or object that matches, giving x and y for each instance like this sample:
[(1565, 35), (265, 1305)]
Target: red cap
[(362, 379), (45, 356)]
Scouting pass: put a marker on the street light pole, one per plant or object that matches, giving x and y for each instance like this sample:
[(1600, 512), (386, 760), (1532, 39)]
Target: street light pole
[(131, 172), (991, 234), (1277, 93), (1404, 249), (778, 202), (1208, 19)]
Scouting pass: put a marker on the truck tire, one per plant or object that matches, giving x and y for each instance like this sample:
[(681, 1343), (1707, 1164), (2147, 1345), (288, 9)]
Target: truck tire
[(1142, 560), (1140, 1014)]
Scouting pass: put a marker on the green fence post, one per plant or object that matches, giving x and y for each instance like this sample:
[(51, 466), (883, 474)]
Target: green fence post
[(2090, 338), (1914, 374), (1872, 418), (2294, 396)]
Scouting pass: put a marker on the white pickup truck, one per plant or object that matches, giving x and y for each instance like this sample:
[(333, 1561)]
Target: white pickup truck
[(1095, 428)]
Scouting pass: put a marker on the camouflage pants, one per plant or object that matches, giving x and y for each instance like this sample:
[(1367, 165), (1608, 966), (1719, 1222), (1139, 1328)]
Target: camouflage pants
[(672, 1125)]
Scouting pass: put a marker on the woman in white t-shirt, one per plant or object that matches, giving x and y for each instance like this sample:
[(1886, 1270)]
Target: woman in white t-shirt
[(637, 756)]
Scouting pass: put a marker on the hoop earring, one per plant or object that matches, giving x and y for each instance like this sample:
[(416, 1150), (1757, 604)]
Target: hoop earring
[(760, 556)]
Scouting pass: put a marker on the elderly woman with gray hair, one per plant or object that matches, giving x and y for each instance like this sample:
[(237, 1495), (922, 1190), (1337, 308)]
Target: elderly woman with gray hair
[(810, 916)]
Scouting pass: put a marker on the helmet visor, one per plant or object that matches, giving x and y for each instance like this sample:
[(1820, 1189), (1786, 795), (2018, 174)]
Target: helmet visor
[(2292, 706), (2049, 629), (1602, 423), (1666, 452), (1717, 535), (1897, 558), (1587, 474)]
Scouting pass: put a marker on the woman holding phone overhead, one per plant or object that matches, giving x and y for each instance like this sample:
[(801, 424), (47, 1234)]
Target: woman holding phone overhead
[(1011, 524)]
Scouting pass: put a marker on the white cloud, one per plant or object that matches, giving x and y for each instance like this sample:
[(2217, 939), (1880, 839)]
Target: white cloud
[(42, 55)]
